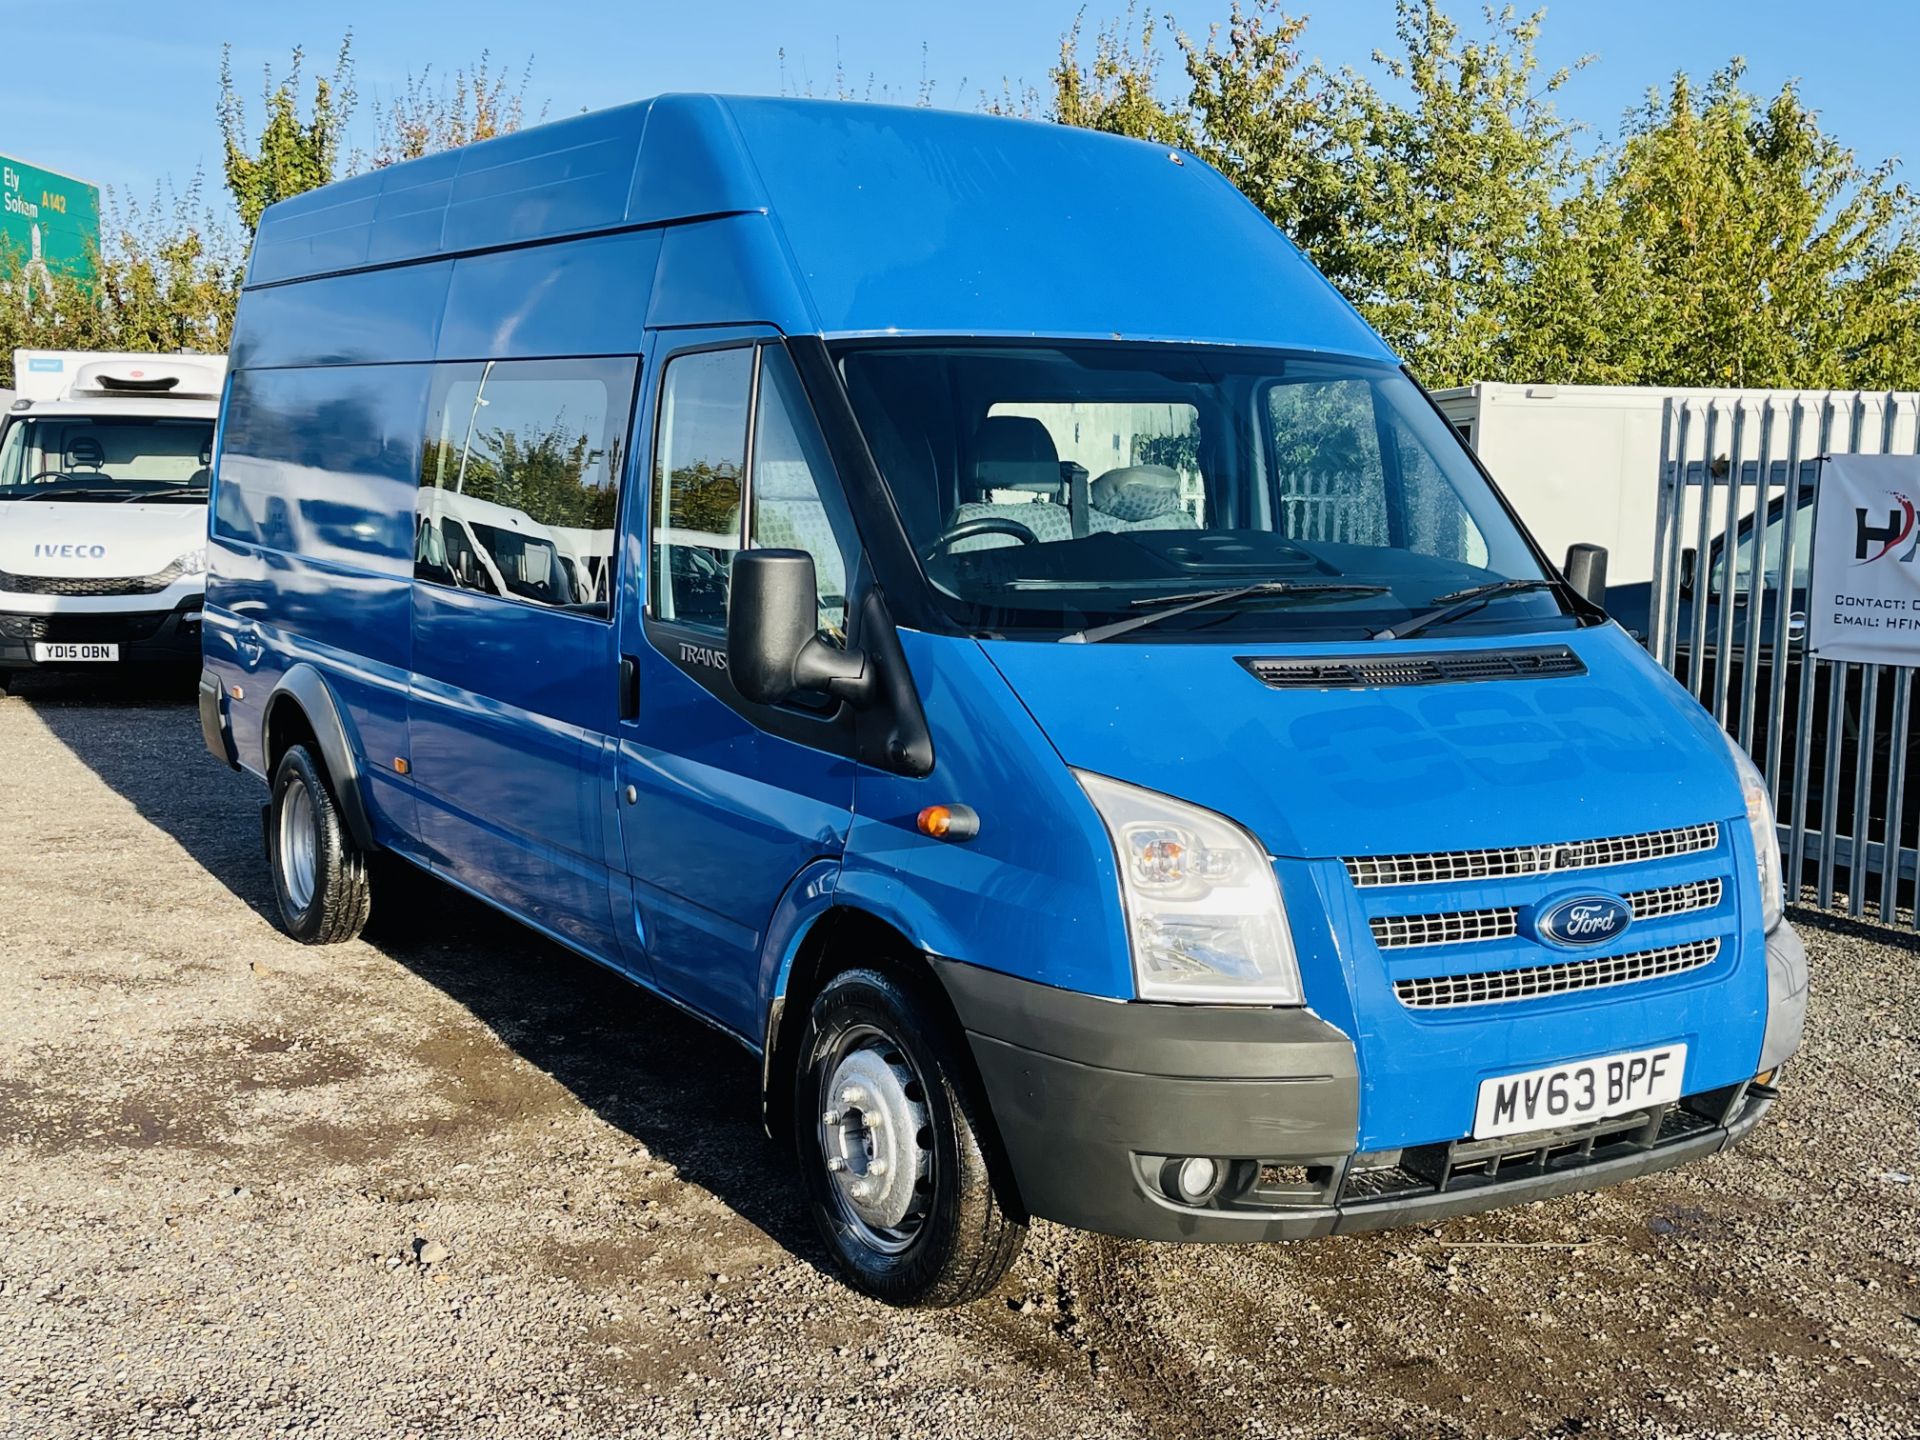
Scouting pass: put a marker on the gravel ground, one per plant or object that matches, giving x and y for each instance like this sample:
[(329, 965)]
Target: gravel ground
[(463, 1183)]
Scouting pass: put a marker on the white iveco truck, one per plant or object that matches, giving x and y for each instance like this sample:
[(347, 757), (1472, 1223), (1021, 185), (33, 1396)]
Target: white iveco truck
[(104, 462)]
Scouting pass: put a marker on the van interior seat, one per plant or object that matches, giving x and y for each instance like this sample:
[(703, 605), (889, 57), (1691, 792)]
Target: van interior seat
[(1139, 497), (85, 450), (1013, 452), (1133, 497), (788, 514)]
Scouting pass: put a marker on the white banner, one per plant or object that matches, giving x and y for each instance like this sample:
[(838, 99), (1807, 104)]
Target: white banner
[(1863, 600)]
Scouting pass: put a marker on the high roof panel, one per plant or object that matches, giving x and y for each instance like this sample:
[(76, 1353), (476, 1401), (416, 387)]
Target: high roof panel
[(674, 158), (894, 220)]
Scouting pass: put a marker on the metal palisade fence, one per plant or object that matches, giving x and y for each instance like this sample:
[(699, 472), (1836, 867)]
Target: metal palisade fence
[(1733, 544)]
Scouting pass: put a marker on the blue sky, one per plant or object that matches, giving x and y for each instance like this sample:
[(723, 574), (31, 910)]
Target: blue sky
[(123, 93)]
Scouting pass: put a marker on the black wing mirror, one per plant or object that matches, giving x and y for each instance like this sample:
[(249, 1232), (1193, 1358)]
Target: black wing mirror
[(1586, 572), (774, 649)]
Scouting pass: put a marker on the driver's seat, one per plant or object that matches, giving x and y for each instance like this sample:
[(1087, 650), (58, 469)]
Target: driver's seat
[(1013, 452), (85, 452)]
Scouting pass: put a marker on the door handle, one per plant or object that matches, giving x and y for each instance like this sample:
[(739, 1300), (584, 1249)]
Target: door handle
[(629, 687), (250, 646)]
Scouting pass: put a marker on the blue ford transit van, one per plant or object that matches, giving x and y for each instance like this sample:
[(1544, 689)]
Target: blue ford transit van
[(965, 609)]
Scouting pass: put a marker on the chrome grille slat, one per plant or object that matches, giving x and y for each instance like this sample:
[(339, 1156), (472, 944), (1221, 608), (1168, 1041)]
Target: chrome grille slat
[(1368, 871), (1490, 987), (1461, 927)]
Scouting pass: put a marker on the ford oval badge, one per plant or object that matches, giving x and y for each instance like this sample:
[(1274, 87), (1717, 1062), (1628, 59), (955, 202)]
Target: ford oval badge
[(1582, 920)]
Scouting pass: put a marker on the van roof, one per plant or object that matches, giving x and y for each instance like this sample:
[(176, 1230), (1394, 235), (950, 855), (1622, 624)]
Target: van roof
[(888, 220)]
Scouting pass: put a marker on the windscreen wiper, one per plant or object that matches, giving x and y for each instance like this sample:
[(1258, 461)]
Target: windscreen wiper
[(1197, 599), (1461, 602)]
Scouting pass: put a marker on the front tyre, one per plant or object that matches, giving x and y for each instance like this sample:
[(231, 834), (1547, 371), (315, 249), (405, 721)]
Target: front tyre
[(319, 871), (890, 1139)]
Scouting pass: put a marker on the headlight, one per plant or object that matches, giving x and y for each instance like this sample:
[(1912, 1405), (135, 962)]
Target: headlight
[(1766, 835), (191, 562), (1203, 908)]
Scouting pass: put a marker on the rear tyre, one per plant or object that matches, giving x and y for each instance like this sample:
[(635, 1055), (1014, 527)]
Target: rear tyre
[(319, 871), (890, 1138)]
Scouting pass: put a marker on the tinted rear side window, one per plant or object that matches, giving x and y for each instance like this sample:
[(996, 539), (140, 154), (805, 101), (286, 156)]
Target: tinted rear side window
[(520, 479), (324, 462)]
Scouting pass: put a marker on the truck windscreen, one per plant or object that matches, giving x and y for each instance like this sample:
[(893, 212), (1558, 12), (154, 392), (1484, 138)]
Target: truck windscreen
[(106, 459), (1050, 488)]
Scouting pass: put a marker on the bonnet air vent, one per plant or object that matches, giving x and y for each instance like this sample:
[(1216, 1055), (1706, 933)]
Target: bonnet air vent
[(1377, 672)]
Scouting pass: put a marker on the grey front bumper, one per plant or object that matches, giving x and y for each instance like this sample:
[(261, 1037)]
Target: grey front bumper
[(1089, 1096), (1786, 997)]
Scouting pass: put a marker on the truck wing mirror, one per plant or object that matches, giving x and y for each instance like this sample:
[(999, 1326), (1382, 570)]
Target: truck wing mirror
[(1586, 572), (774, 649)]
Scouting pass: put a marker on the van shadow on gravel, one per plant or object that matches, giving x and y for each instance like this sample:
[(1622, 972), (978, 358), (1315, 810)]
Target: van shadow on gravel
[(140, 733), (687, 1093)]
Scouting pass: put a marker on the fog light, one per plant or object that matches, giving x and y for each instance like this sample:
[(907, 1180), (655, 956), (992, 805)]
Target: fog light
[(1193, 1181)]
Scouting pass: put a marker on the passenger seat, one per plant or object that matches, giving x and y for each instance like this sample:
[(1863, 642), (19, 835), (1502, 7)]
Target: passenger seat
[(1139, 497)]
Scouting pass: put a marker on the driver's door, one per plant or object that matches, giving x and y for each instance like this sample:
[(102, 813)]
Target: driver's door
[(722, 802)]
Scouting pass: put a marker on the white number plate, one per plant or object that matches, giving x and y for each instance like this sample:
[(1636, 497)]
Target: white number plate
[(1584, 1090), (47, 653)]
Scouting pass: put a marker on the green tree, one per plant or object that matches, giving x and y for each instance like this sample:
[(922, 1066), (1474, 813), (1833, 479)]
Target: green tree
[(1430, 212), (1117, 90), (477, 103), (1766, 253), (1456, 190), (293, 152), (165, 279)]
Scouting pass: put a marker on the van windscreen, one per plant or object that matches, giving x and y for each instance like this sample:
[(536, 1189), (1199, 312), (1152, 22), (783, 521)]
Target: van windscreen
[(105, 458), (1047, 488)]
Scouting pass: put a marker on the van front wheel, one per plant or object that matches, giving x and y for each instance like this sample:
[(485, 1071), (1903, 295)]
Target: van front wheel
[(891, 1146), (319, 871)]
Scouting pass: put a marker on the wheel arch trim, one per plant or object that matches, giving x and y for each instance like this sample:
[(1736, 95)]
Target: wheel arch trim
[(306, 690)]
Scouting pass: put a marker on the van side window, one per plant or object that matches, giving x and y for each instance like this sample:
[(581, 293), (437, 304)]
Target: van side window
[(1327, 470), (792, 508), (520, 479), (1437, 520), (700, 462)]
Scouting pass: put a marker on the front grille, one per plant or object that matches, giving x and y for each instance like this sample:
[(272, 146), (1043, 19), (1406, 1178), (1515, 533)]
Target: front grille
[(1461, 927), (89, 585), (1529, 982), (1465, 1165), (1380, 671), (1444, 865), (1674, 899)]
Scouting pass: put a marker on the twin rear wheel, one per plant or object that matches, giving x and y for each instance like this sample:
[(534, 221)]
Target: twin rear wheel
[(319, 870), (890, 1133)]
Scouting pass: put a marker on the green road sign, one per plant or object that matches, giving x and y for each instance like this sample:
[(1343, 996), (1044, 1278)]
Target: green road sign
[(48, 222)]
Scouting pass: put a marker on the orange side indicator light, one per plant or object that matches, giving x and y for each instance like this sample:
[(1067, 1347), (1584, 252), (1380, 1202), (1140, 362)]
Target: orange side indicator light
[(949, 822), (400, 765)]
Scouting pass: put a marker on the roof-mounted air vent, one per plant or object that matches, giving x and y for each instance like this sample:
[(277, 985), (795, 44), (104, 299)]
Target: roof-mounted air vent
[(1375, 672)]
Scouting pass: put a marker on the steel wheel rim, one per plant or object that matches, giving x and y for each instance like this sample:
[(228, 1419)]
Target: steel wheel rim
[(884, 1207), (299, 843)]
